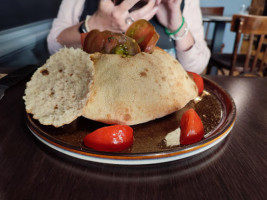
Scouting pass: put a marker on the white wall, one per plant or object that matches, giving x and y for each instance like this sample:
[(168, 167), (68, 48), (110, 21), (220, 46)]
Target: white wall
[(230, 7)]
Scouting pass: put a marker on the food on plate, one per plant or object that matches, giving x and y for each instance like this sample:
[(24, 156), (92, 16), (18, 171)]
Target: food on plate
[(109, 42), (192, 129), (137, 89), (140, 36), (144, 34), (148, 137), (198, 80), (108, 88), (173, 138), (110, 138), (58, 91), (115, 79)]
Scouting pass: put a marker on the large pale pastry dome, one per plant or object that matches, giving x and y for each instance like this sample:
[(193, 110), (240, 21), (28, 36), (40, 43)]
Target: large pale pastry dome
[(137, 89)]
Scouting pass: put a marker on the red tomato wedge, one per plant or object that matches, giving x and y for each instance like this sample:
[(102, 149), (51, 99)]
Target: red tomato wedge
[(192, 129), (198, 80), (110, 139), (144, 34), (109, 42)]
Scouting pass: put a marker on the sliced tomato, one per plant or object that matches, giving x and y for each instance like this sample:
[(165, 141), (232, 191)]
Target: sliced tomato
[(92, 45), (143, 32), (140, 36), (110, 139), (198, 80), (109, 42), (192, 129), (127, 46), (151, 44), (83, 36), (118, 43)]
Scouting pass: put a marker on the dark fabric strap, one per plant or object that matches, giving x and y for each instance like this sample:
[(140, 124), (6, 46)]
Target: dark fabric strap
[(90, 6)]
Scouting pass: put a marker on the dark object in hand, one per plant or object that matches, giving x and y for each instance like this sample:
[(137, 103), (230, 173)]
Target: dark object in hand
[(138, 5)]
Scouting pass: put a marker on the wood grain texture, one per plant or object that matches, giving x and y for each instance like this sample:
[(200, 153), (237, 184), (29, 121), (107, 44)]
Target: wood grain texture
[(254, 27), (234, 169)]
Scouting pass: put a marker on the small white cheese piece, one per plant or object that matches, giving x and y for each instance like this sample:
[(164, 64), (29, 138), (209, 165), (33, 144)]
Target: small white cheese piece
[(173, 138), (199, 98)]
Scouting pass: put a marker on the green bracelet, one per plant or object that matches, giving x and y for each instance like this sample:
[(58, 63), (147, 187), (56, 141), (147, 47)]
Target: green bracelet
[(173, 33)]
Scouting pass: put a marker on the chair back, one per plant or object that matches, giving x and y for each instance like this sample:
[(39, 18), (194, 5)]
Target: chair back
[(254, 27), (216, 11)]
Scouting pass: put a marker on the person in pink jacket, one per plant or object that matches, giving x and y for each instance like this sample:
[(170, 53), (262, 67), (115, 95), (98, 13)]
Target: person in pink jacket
[(179, 23)]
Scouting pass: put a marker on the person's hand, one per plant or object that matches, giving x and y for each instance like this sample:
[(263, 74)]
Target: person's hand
[(117, 18), (169, 14)]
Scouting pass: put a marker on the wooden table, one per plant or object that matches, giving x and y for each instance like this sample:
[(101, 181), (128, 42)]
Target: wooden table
[(217, 37), (233, 169)]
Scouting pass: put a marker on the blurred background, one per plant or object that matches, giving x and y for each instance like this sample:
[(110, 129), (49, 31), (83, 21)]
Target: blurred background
[(25, 25)]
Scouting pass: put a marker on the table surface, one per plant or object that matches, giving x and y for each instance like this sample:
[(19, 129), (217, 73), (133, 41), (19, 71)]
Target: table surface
[(234, 169)]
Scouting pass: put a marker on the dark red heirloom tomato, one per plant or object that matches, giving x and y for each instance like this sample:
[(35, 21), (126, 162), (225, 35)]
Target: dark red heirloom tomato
[(111, 138), (191, 126), (144, 34), (83, 36), (93, 42), (198, 80)]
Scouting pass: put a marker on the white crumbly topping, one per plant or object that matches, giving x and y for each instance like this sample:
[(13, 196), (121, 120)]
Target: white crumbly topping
[(173, 138)]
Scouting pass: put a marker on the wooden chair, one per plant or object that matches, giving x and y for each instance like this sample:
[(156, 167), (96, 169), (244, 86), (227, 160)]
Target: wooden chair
[(216, 11), (252, 26)]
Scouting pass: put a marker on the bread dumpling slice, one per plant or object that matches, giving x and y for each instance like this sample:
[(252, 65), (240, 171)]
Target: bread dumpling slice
[(58, 91), (137, 89)]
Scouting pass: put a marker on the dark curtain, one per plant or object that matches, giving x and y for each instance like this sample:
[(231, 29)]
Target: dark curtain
[(20, 12)]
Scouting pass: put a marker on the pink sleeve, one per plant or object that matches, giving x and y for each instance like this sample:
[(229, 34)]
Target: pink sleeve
[(195, 59), (68, 15)]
